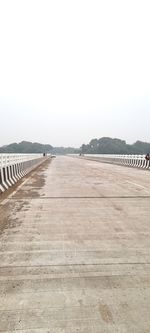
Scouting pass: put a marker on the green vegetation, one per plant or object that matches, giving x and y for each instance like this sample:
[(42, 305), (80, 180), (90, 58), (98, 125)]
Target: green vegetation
[(103, 145), (26, 147), (107, 145), (29, 147), (65, 150)]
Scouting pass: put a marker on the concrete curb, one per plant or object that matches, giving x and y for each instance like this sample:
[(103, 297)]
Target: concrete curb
[(10, 174), (135, 161)]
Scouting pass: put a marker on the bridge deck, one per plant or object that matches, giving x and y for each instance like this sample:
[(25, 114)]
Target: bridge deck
[(74, 250)]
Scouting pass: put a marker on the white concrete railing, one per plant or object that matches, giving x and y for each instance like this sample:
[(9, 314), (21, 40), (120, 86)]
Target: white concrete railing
[(15, 166), (137, 161)]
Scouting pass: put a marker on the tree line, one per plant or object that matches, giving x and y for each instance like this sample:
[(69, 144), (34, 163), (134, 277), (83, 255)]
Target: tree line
[(27, 147), (108, 145), (103, 145)]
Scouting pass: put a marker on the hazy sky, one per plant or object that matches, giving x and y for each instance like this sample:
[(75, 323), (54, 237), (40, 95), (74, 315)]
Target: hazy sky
[(74, 70)]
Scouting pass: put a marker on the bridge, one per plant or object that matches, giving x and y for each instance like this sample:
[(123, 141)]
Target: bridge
[(74, 244)]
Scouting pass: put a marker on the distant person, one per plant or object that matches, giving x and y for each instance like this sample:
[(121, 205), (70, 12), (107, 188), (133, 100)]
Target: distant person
[(147, 157)]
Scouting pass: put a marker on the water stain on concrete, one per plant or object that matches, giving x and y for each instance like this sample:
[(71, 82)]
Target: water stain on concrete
[(105, 313)]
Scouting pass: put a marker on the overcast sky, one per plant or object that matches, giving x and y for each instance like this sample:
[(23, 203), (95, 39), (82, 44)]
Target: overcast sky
[(74, 70)]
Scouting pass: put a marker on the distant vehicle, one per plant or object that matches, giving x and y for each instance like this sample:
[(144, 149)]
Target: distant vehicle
[(53, 156)]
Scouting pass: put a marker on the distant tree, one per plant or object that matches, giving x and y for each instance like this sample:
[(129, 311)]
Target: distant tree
[(26, 147), (108, 145), (104, 145)]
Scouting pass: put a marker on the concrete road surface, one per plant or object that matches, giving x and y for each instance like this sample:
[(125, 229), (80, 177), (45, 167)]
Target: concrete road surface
[(75, 250)]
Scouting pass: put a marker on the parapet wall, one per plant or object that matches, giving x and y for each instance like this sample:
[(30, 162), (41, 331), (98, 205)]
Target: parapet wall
[(15, 166), (138, 161)]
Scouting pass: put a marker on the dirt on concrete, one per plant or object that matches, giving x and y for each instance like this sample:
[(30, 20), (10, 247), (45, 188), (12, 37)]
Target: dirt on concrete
[(8, 212), (75, 249), (33, 174)]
